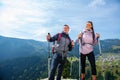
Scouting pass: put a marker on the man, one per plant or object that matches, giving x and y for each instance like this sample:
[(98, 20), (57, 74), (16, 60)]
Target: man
[(60, 55)]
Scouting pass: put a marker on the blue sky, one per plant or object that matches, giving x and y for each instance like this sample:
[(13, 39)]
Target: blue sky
[(33, 19)]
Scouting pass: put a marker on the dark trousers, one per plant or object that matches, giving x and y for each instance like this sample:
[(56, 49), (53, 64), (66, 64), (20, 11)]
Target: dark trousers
[(57, 61), (91, 59)]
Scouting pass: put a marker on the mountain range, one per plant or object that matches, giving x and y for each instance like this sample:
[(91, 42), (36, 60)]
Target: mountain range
[(14, 47)]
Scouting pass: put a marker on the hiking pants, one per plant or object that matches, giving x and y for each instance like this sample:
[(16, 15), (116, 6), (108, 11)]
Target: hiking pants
[(91, 59), (57, 61)]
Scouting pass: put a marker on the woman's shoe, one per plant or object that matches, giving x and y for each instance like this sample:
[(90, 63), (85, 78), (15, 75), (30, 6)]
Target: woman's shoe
[(94, 77), (83, 76)]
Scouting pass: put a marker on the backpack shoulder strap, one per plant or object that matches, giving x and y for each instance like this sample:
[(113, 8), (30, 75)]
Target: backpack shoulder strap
[(69, 38), (81, 38), (59, 36)]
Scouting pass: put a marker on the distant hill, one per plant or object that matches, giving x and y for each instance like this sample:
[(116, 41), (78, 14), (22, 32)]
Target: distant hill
[(110, 45), (14, 47), (107, 46)]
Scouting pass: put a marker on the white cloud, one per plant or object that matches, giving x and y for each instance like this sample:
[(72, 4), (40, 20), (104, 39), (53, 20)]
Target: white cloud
[(96, 3), (17, 15), (27, 18), (40, 34)]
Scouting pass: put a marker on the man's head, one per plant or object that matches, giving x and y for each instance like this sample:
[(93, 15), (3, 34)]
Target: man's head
[(66, 29)]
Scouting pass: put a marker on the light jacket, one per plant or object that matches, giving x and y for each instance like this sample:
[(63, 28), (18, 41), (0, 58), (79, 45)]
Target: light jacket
[(86, 42)]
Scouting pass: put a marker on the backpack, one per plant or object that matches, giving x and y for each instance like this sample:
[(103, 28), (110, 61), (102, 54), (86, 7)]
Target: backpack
[(55, 44)]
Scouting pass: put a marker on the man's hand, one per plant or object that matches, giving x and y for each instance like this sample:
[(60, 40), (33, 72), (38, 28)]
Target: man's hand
[(48, 37), (72, 43)]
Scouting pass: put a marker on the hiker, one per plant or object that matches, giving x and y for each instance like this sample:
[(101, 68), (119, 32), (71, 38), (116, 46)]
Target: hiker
[(87, 40), (64, 44)]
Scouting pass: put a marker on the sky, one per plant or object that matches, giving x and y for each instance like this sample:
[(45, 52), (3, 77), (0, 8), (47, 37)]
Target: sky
[(33, 19)]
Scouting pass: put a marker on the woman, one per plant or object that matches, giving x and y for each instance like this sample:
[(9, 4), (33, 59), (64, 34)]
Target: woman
[(87, 40)]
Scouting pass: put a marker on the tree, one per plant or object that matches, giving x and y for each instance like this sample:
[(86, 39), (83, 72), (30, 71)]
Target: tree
[(66, 71)]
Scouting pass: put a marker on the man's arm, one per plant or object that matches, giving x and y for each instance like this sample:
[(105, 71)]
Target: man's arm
[(52, 39)]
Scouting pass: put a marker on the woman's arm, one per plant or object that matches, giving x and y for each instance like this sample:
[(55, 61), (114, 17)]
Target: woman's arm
[(96, 39)]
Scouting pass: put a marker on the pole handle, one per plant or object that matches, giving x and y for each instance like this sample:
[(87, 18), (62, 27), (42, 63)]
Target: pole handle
[(48, 33)]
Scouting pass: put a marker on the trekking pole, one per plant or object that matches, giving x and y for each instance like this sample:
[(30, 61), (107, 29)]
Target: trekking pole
[(101, 57), (71, 70), (49, 58), (79, 61), (99, 47)]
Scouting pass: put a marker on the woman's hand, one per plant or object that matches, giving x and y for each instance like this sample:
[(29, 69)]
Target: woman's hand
[(79, 35), (98, 35)]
